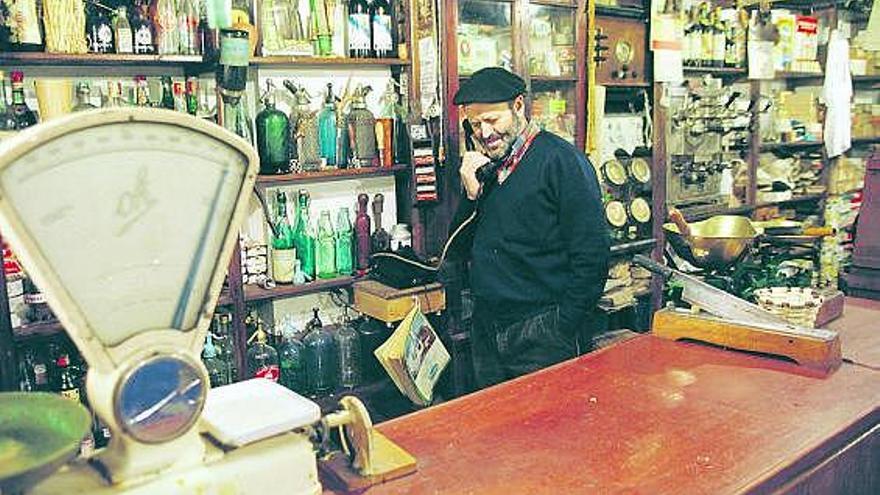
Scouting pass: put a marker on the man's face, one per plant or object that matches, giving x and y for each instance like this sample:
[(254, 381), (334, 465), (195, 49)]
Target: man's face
[(496, 125)]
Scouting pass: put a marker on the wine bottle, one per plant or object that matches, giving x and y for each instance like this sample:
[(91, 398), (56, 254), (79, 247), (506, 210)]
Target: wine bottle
[(359, 40), (380, 240), (362, 232)]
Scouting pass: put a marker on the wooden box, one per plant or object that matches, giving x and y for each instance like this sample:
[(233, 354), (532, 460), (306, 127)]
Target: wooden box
[(391, 305), (625, 63)]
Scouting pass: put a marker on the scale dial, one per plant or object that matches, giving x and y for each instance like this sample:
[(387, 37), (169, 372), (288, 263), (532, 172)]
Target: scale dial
[(615, 213), (624, 52), (640, 210), (640, 170), (614, 172)]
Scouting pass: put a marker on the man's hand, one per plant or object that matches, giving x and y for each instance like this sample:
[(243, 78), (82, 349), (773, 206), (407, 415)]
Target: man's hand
[(468, 172)]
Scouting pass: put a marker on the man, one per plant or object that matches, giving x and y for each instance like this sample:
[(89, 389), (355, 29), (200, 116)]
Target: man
[(539, 246)]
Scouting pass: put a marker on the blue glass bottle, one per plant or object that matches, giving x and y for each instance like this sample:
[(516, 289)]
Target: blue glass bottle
[(327, 128)]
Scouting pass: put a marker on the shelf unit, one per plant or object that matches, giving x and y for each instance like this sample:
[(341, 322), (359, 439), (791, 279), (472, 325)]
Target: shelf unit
[(330, 175), (290, 61), (91, 59), (796, 145), (253, 293)]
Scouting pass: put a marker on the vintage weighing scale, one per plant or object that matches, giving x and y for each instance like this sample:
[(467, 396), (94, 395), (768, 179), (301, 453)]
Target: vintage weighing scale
[(720, 318), (126, 218)]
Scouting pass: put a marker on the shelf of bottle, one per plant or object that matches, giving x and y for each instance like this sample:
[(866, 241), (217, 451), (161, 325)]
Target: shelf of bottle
[(253, 293), (327, 61), (36, 330), (792, 145), (863, 141), (328, 175), (716, 71), (624, 12), (84, 59), (632, 247)]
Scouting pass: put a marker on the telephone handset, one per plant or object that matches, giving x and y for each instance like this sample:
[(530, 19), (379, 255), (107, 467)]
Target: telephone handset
[(489, 170)]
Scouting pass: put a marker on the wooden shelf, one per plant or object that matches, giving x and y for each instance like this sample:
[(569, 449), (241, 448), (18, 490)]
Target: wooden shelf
[(632, 247), (790, 146), (863, 141), (866, 79), (716, 71), (803, 198), (327, 61), (95, 59), (695, 214), (538, 78), (253, 293), (624, 12), (329, 175), (37, 330), (792, 76), (624, 84)]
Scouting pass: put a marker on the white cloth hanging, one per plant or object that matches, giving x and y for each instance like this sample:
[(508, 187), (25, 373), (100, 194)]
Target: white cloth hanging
[(837, 92)]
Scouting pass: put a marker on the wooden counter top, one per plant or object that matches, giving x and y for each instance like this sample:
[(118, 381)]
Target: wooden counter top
[(644, 416)]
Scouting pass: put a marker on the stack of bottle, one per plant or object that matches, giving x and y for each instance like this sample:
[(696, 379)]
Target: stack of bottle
[(303, 250), (189, 95), (342, 133), (714, 37)]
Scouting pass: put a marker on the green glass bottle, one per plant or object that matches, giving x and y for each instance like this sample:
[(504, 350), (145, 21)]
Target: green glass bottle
[(273, 136), (325, 251), (344, 236), (283, 249), (304, 237)]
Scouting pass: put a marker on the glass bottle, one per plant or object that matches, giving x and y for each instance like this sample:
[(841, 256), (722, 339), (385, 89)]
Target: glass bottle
[(319, 18), (122, 31), (291, 354), (25, 378), (237, 119), (707, 36), (362, 232), (188, 23), (7, 121), (141, 91), (218, 371), (192, 95), (325, 251), (167, 93), (719, 40), (66, 383), (344, 234), (294, 123), (385, 126), (283, 251), (380, 240), (349, 345), (273, 135), (320, 357), (142, 25), (359, 42), (167, 31), (303, 236), (114, 95), (327, 128), (226, 345), (83, 97), (22, 115), (382, 27), (402, 144), (262, 359), (308, 150), (362, 130), (99, 32), (23, 22)]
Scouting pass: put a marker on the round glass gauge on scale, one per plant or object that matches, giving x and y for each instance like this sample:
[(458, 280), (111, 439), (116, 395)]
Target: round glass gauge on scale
[(640, 170), (614, 173)]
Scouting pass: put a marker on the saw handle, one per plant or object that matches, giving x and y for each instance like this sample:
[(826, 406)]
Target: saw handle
[(653, 266)]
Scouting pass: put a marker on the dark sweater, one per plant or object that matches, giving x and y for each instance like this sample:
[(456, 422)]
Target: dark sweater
[(541, 236)]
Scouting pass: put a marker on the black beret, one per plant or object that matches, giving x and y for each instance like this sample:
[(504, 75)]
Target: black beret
[(490, 85)]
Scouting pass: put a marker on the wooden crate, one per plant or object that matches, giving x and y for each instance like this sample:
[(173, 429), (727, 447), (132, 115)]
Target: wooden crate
[(391, 305)]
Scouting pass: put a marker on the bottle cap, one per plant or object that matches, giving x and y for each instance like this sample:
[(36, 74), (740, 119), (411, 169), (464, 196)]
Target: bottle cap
[(17, 76)]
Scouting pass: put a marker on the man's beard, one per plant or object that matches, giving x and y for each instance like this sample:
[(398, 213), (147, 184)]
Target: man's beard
[(507, 139)]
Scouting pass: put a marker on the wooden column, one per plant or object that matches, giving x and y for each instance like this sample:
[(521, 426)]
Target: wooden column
[(8, 361)]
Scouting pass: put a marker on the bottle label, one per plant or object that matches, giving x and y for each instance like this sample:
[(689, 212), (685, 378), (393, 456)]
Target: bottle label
[(143, 39), (234, 52), (35, 298), (382, 33), (41, 377), (282, 265), (123, 41), (72, 394), (271, 372), (102, 38), (358, 32)]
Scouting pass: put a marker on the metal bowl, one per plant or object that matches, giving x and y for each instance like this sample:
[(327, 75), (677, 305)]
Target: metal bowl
[(713, 244)]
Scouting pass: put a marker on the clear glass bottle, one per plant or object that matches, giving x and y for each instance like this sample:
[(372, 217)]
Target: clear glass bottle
[(22, 115), (359, 39), (225, 345), (362, 232), (188, 23), (273, 135), (362, 130), (304, 237), (7, 122), (25, 29), (383, 28), (167, 29), (291, 354), (218, 371), (349, 345), (327, 128), (344, 235), (325, 250), (308, 151), (122, 31), (320, 357), (262, 359), (83, 97)]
